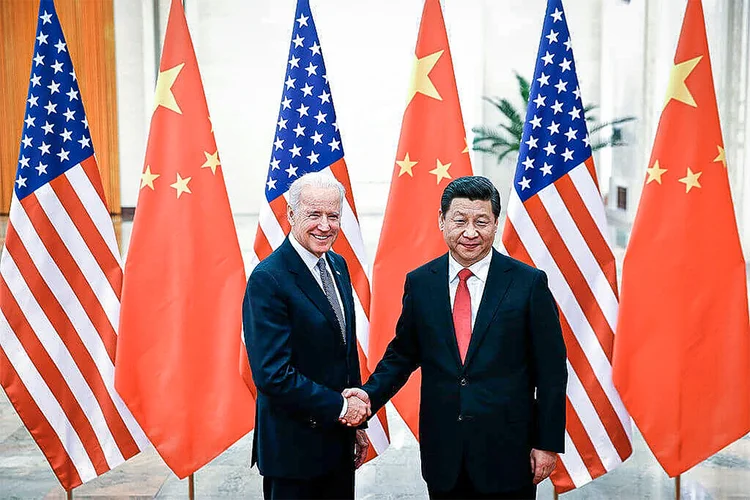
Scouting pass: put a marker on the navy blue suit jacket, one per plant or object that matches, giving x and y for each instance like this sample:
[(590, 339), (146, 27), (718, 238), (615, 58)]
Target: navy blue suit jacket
[(300, 365), (509, 394)]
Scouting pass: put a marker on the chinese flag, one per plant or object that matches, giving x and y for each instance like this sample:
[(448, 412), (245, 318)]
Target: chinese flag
[(682, 349), (432, 150), (180, 321)]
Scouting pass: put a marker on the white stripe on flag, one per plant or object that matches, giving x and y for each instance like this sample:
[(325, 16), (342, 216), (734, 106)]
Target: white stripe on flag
[(61, 289), (591, 421), (44, 399), (80, 252), (573, 463), (569, 306), (62, 358), (581, 253), (592, 198), (94, 207), (270, 225)]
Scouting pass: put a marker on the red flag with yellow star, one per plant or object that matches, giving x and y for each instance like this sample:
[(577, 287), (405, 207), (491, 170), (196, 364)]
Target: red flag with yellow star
[(682, 348), (180, 321), (432, 150)]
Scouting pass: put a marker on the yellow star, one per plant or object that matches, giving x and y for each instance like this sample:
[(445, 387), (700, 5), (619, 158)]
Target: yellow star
[(677, 89), (420, 79), (466, 149), (655, 173), (441, 171), (406, 165), (147, 178), (164, 96), (212, 161), (691, 180), (721, 157), (181, 185)]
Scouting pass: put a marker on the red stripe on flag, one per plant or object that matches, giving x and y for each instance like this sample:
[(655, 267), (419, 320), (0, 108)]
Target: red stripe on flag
[(598, 397), (588, 228), (514, 245), (38, 425), (360, 283), (46, 367), (572, 273), (561, 478), (90, 234), (278, 207), (67, 333), (262, 247), (91, 169), (339, 170), (72, 273), (582, 441), (592, 170)]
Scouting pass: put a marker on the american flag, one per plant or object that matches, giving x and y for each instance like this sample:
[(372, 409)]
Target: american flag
[(307, 140), (556, 222), (60, 279)]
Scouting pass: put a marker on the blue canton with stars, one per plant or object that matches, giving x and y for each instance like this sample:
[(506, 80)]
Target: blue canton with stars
[(555, 138), (307, 136), (55, 134)]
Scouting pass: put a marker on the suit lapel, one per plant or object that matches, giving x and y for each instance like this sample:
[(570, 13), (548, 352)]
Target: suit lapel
[(344, 285), (443, 314), (498, 282), (307, 283)]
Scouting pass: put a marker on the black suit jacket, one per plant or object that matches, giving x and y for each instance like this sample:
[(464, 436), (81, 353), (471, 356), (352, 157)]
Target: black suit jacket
[(508, 396), (300, 365)]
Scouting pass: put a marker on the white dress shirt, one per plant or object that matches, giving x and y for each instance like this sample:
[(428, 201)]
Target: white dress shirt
[(475, 283), (311, 261)]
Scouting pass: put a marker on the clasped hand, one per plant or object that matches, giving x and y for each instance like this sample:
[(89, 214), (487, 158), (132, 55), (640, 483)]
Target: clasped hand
[(358, 407)]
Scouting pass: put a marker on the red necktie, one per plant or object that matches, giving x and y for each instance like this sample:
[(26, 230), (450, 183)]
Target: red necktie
[(462, 313)]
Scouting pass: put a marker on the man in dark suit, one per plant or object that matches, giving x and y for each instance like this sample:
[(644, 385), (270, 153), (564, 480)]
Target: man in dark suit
[(484, 328), (298, 317)]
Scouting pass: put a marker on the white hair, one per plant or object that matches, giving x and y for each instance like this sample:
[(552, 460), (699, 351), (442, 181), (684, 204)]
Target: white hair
[(313, 179)]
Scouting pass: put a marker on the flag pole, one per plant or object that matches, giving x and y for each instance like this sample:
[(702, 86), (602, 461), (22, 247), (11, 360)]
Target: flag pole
[(677, 487), (191, 486), (69, 493), (556, 496)]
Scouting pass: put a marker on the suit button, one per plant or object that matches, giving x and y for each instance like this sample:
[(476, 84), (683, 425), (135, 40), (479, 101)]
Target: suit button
[(460, 418), (464, 381), (313, 423)]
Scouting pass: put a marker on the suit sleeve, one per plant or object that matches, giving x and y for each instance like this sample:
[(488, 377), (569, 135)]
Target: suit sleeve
[(353, 352), (401, 357), (549, 367), (265, 318)]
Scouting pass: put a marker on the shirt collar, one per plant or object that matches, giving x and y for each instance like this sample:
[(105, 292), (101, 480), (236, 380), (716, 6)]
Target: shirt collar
[(480, 269), (309, 258)]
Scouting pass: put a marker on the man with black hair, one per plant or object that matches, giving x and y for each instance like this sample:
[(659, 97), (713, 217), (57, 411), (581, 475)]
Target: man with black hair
[(485, 330)]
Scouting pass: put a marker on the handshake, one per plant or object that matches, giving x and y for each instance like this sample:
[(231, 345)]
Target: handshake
[(358, 407)]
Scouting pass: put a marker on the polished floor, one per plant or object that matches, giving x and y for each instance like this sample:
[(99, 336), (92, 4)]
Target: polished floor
[(24, 473)]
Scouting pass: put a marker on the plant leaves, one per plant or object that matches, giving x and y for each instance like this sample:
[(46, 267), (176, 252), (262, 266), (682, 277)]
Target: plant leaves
[(523, 87)]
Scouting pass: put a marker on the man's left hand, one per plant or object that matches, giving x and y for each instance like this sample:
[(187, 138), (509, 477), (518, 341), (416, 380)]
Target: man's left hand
[(361, 445), (542, 464)]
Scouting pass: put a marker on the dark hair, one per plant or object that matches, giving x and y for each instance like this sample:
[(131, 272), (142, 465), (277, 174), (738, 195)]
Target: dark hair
[(473, 187)]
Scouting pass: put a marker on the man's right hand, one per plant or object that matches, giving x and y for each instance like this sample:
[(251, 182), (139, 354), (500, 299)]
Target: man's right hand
[(358, 407)]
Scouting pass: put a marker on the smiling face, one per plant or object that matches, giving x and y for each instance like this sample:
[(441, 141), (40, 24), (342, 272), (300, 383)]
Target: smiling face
[(317, 219), (469, 229)]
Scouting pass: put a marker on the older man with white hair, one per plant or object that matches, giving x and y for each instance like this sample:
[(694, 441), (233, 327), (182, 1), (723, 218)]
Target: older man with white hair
[(299, 323)]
